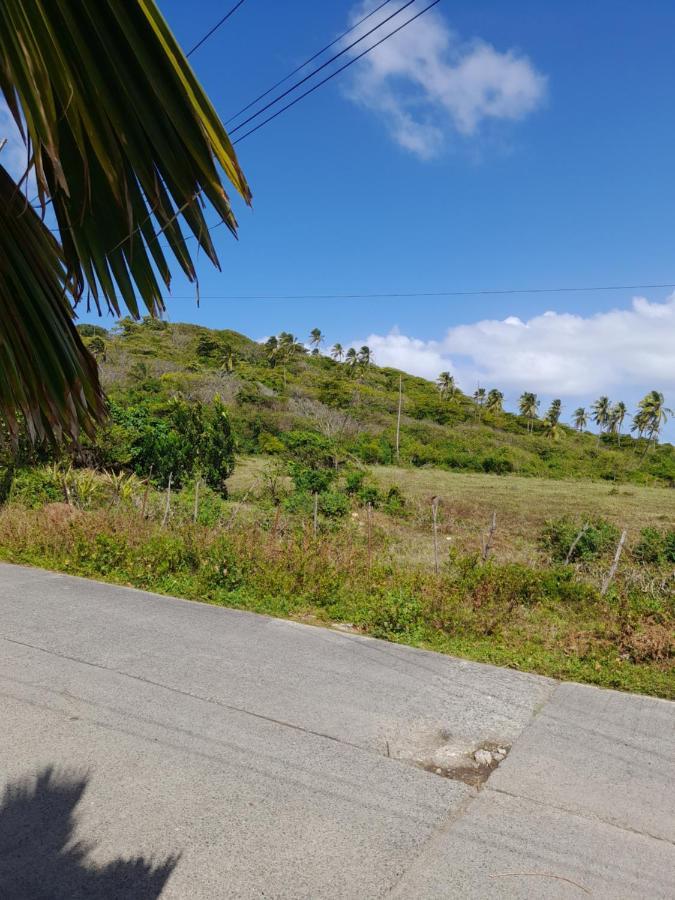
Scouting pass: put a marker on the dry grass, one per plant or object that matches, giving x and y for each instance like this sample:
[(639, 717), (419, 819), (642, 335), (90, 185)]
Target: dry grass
[(467, 501)]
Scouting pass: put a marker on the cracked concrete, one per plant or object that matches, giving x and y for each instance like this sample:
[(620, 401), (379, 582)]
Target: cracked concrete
[(280, 760)]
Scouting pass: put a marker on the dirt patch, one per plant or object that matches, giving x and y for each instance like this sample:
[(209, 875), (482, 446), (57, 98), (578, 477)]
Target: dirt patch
[(472, 767)]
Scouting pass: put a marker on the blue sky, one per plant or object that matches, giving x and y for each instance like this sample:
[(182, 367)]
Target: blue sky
[(491, 145)]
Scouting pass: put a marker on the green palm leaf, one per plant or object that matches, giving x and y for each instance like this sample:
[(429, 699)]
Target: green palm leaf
[(125, 144), (47, 376)]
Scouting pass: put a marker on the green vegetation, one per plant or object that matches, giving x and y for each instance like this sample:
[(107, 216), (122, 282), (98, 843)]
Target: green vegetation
[(263, 554), (315, 521), (269, 390)]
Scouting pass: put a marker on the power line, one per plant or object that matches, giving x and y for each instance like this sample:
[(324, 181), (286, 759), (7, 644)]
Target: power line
[(429, 294), (322, 66), (335, 72), (214, 29), (306, 62), (316, 86)]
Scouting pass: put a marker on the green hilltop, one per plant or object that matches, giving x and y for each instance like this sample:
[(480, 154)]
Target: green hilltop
[(271, 391)]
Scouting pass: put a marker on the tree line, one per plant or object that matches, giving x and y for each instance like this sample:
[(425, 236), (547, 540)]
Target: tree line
[(648, 420)]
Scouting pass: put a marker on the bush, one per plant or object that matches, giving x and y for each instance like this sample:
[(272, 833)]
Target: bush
[(333, 504), (394, 502), (559, 534), (655, 546), (354, 481), (35, 487), (369, 494), (499, 464), (310, 481), (395, 613)]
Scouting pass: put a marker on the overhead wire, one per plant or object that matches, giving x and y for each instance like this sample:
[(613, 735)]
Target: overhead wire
[(306, 62), (215, 28), (323, 66), (482, 292)]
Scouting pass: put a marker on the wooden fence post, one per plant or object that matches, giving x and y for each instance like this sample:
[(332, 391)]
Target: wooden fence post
[(573, 545), (487, 541), (168, 501), (196, 509), (612, 571), (434, 517)]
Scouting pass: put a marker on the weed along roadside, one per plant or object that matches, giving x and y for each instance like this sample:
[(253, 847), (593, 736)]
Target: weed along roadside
[(283, 549)]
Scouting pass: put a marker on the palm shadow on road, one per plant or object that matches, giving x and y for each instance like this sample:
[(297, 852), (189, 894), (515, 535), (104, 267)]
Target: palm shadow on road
[(41, 859)]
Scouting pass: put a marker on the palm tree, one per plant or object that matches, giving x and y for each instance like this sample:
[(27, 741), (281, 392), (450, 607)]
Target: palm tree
[(495, 400), (365, 357), (352, 359), (315, 340), (337, 352), (600, 410), (446, 384), (479, 400), (528, 405), (226, 359), (124, 144), (551, 426), (617, 414), (272, 350), (652, 414), (580, 418), (553, 413)]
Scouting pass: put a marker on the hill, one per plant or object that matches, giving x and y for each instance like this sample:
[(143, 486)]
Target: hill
[(353, 408)]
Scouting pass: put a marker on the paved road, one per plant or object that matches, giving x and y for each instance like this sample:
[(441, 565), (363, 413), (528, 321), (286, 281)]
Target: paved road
[(150, 746)]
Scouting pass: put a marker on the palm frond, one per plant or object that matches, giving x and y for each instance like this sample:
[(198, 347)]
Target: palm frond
[(47, 377), (123, 138)]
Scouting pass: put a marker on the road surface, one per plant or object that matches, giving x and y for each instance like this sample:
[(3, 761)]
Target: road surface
[(154, 747)]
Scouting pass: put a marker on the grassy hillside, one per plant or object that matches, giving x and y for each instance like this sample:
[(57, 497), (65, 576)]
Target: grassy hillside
[(355, 413)]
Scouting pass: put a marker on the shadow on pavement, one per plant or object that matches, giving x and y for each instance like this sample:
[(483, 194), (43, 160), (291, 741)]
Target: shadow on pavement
[(40, 857)]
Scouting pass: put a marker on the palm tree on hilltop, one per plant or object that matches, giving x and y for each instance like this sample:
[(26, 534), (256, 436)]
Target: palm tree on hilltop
[(617, 414), (600, 410), (580, 418), (528, 406), (495, 400), (446, 384), (337, 352), (316, 338), (352, 359), (554, 410), (365, 357)]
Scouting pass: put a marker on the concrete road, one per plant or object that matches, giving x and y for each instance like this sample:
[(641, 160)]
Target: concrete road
[(154, 747)]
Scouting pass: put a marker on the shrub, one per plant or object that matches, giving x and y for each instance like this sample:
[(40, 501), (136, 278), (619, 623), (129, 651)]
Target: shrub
[(310, 481), (354, 481), (395, 613), (394, 502), (333, 504), (499, 464), (559, 534), (35, 487), (369, 494), (655, 546)]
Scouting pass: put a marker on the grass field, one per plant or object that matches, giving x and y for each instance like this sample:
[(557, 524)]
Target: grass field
[(468, 500)]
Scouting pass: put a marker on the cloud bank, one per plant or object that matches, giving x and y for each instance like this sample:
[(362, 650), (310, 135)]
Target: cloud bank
[(561, 354), (426, 84)]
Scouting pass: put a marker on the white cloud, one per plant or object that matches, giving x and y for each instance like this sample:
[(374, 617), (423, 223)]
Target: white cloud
[(426, 83), (561, 354)]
